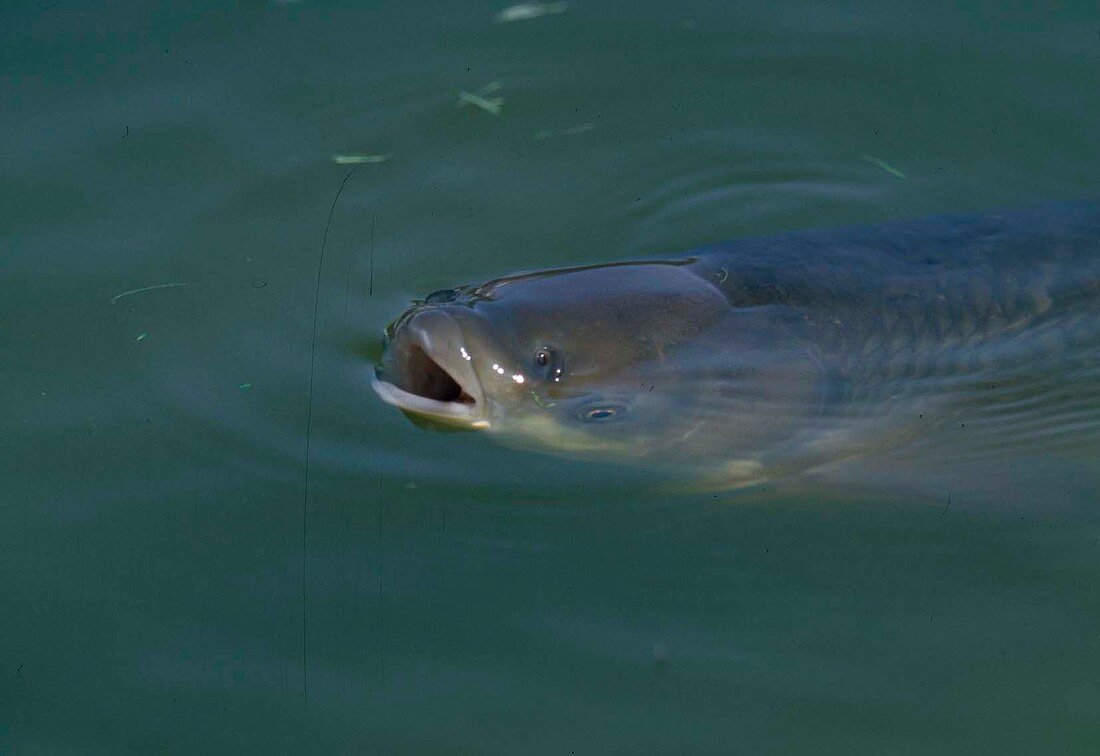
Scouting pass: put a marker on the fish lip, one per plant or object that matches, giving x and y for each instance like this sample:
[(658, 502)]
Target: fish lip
[(455, 412), (473, 414)]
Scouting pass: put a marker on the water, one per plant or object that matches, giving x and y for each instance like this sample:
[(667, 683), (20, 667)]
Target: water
[(172, 581)]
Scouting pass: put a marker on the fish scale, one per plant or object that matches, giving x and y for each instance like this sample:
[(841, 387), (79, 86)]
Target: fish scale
[(886, 314)]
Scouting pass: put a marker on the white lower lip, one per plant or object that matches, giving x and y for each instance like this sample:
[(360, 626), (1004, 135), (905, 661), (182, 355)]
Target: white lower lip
[(425, 406)]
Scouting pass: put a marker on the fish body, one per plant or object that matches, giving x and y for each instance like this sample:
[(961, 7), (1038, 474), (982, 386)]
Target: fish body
[(761, 357)]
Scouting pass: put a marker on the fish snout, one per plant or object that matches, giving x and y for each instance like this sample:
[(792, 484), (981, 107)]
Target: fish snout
[(426, 370)]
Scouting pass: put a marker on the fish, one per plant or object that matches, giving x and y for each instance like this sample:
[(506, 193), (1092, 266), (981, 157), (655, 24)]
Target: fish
[(762, 358)]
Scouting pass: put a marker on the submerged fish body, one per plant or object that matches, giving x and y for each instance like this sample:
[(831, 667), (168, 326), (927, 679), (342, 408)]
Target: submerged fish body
[(761, 357)]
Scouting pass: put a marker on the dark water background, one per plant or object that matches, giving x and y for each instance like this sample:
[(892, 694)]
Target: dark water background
[(169, 583)]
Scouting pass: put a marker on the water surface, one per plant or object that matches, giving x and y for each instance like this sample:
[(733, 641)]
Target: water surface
[(172, 580)]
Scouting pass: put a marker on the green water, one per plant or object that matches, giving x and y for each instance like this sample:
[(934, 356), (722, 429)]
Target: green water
[(170, 581)]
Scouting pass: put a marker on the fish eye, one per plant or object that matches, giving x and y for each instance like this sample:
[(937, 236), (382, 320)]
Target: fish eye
[(549, 363)]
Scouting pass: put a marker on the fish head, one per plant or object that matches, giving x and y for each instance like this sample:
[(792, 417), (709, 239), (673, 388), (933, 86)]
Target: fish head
[(565, 359)]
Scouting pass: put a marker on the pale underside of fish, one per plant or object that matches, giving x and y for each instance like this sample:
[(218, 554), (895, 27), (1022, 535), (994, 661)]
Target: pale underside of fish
[(947, 338)]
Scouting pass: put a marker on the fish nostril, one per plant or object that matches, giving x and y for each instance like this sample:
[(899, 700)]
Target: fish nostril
[(442, 296)]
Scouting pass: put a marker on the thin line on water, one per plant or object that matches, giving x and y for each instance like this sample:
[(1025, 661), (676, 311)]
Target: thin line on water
[(373, 220), (309, 428), (381, 584)]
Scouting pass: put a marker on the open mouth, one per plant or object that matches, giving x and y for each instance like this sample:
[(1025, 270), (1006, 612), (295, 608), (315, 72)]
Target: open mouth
[(430, 381), (425, 372)]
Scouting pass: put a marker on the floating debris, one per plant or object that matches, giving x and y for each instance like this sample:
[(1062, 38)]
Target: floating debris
[(491, 105), (352, 159), (883, 165), (116, 297), (528, 11)]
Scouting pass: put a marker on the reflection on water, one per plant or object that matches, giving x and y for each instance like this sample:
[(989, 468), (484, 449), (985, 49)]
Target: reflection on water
[(169, 582)]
